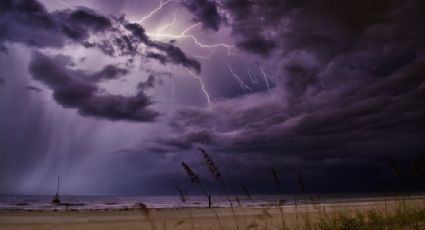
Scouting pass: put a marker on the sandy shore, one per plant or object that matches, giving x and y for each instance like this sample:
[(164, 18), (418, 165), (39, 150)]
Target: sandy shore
[(187, 218)]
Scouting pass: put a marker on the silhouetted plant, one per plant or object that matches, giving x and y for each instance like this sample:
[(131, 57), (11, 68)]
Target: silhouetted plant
[(195, 180), (182, 194), (147, 214), (213, 169), (246, 192), (280, 201)]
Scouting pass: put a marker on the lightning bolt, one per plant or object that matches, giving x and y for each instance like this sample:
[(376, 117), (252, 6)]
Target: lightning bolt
[(268, 76), (203, 88), (193, 38), (252, 76), (154, 11), (238, 78), (185, 35), (205, 57), (265, 76), (164, 27)]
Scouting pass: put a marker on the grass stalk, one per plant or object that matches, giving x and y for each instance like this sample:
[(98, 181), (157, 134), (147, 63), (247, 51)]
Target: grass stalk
[(213, 169), (280, 202)]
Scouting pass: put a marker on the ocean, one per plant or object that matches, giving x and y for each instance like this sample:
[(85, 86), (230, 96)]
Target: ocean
[(90, 203)]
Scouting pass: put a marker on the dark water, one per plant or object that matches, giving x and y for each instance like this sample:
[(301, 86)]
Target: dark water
[(13, 202)]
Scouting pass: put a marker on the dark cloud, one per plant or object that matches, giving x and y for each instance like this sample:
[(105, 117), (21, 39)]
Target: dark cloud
[(33, 88), (349, 135), (325, 26), (109, 72), (348, 93), (3, 48), (205, 12), (114, 36), (2, 82), (257, 45), (74, 89), (168, 52), (188, 140), (29, 23), (157, 56), (149, 83), (77, 24), (53, 29), (137, 31), (358, 40), (174, 54)]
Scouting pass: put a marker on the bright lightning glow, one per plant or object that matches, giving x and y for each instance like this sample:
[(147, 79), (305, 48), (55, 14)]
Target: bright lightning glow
[(158, 32), (154, 11), (194, 39), (184, 34), (238, 78)]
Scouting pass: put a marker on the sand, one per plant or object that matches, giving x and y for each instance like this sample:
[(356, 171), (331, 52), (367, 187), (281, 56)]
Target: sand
[(186, 218)]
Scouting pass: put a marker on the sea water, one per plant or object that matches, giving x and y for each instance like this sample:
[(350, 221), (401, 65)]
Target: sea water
[(44, 203)]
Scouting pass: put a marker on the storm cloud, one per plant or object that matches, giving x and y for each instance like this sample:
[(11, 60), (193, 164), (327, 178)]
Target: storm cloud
[(74, 89), (336, 88), (110, 72), (83, 26), (47, 29), (205, 12), (90, 29), (328, 54), (349, 91)]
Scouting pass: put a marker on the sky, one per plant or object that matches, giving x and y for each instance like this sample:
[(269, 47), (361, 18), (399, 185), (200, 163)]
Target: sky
[(113, 95)]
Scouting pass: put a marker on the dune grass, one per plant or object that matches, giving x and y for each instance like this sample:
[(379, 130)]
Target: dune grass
[(370, 215), (403, 213), (401, 216)]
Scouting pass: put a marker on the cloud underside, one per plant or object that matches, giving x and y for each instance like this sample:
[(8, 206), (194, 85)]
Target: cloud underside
[(76, 89)]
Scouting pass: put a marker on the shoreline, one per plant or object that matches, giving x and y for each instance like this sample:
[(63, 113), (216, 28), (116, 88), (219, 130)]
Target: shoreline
[(192, 218), (335, 201)]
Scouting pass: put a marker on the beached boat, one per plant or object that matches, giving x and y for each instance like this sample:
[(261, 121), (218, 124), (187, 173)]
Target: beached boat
[(56, 199)]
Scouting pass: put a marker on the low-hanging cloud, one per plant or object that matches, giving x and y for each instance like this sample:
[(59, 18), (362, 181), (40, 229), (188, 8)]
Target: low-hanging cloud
[(75, 89)]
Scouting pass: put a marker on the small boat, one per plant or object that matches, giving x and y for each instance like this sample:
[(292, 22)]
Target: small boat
[(56, 199)]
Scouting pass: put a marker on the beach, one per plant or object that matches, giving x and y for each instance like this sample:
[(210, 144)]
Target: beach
[(265, 217)]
